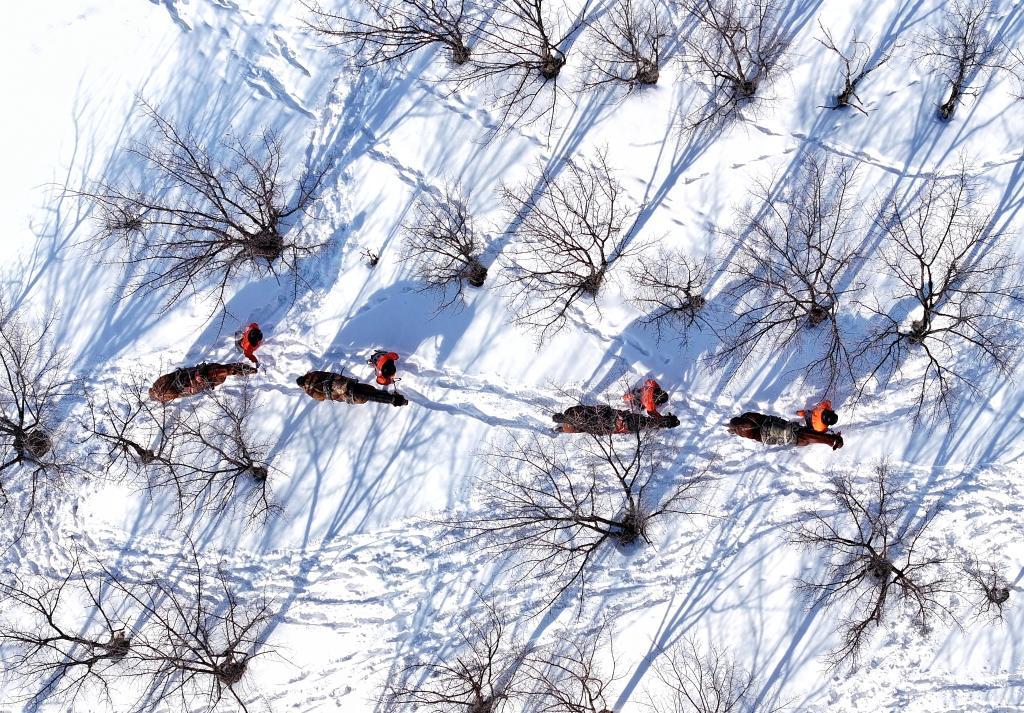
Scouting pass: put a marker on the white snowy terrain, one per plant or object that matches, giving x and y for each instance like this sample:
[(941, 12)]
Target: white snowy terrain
[(360, 580)]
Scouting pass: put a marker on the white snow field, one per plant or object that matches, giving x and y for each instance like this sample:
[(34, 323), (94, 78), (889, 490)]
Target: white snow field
[(359, 580)]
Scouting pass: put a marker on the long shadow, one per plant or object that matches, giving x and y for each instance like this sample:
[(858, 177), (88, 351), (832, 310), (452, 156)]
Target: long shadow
[(734, 555)]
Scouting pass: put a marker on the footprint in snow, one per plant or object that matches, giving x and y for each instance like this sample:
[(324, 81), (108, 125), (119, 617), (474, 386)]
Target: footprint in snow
[(172, 10), (289, 55)]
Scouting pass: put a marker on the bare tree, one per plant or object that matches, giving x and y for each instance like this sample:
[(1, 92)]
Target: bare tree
[(97, 627), (200, 638), (625, 48), (64, 636), (875, 562), (697, 681), (388, 31), (34, 380), (568, 230), (519, 58), (734, 51), (554, 506), (567, 675), (479, 674), (946, 261), (1015, 66), (444, 244), (959, 48), (989, 585), (206, 454), (204, 217), (859, 61), (796, 257), (670, 287)]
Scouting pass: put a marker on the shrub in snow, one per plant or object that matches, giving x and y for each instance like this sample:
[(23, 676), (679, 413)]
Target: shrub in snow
[(568, 673), (858, 62), (553, 506), (876, 565), (478, 672), (34, 381), (703, 679), (98, 632), (485, 669), (990, 587), (670, 287), (960, 48), (624, 51), (204, 454), (522, 49)]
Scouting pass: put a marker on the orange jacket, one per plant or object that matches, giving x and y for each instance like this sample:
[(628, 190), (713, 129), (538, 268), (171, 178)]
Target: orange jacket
[(646, 394), (379, 363), (248, 345), (816, 423), (620, 425)]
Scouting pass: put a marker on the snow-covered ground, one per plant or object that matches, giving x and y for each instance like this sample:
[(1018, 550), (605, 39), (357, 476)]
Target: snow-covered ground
[(357, 578)]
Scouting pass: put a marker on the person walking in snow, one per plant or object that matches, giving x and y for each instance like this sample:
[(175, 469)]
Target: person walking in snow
[(820, 417), (384, 364), (249, 341), (648, 397)]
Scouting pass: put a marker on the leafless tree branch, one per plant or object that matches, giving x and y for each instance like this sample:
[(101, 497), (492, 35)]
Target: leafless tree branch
[(875, 564), (796, 257), (36, 454), (989, 586), (670, 287), (568, 230), (960, 48), (205, 454), (96, 628), (567, 675), (519, 59), (444, 244), (206, 216), (481, 674), (707, 681), (946, 261), (625, 48), (735, 51), (858, 62), (386, 31), (66, 637), (554, 506)]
